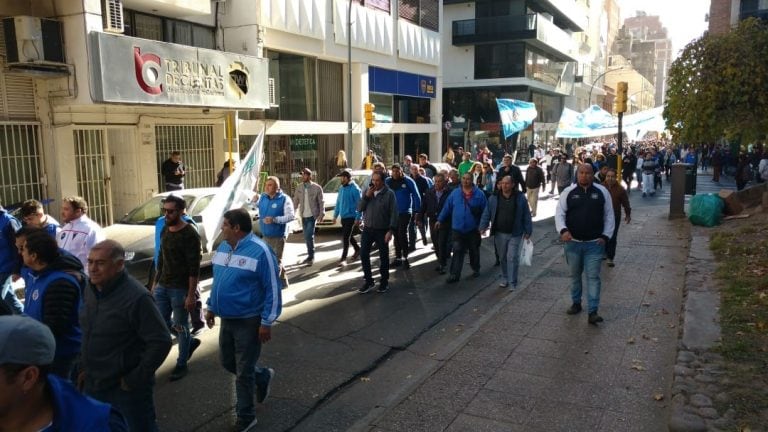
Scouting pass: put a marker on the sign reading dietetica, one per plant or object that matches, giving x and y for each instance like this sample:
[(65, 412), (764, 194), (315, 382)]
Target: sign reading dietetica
[(141, 71)]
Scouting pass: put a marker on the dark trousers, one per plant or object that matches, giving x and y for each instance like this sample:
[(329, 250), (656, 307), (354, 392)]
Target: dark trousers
[(610, 247), (136, 405), (463, 243), (347, 226), (412, 231), (441, 239), (401, 237), (369, 237)]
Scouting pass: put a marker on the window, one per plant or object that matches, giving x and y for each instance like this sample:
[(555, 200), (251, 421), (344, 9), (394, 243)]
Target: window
[(158, 28), (295, 82), (377, 4), (499, 61), (424, 13), (411, 109)]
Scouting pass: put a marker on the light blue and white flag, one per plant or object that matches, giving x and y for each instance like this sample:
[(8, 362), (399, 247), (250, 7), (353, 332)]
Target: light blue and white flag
[(595, 122), (236, 191), (516, 115)]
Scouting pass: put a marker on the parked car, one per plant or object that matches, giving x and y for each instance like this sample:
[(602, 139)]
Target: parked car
[(331, 192), (136, 230)]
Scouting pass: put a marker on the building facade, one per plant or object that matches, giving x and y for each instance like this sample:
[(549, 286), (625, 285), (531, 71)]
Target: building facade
[(509, 49), (726, 14)]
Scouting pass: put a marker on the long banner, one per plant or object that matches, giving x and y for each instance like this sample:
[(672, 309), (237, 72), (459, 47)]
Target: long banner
[(595, 122)]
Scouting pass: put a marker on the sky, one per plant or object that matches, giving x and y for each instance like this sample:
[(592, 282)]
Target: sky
[(684, 19)]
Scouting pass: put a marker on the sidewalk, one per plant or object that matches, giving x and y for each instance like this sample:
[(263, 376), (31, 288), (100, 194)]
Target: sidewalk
[(532, 367)]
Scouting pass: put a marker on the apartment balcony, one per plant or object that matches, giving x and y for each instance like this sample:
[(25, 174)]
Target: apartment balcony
[(171, 8), (567, 13), (533, 29)]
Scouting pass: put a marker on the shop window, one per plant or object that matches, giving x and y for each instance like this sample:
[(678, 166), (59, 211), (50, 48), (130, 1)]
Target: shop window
[(383, 104), (411, 109)]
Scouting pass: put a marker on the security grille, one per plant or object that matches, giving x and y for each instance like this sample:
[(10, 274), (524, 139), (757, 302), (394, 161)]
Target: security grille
[(19, 163), (195, 143), (92, 175)]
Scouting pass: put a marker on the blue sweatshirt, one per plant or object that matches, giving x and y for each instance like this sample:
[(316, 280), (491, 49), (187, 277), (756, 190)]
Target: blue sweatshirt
[(246, 281), (464, 214), (346, 201), (406, 194), (9, 257)]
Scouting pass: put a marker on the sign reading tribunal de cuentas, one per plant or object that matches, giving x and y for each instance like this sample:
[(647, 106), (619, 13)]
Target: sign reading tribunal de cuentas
[(140, 71)]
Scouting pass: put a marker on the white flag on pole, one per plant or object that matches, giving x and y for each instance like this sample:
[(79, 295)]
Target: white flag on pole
[(236, 191)]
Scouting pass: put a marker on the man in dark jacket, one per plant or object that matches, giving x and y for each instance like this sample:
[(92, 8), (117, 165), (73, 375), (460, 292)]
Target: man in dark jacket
[(508, 168), (53, 279), (408, 203), (434, 200), (125, 339), (534, 180), (380, 222)]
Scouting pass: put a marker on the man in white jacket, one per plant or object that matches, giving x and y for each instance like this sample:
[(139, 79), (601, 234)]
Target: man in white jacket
[(79, 233)]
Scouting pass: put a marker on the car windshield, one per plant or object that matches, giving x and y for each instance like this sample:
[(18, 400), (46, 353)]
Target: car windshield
[(334, 184), (147, 213)]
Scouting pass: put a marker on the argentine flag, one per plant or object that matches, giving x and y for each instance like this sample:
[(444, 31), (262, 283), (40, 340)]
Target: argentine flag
[(515, 115)]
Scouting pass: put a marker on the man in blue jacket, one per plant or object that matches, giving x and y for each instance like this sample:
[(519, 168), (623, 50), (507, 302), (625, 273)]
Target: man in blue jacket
[(9, 258), (275, 212), (32, 399), (510, 221), (246, 296), (408, 203), (346, 206), (464, 207)]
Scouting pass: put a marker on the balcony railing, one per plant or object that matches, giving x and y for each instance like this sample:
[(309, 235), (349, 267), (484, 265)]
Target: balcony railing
[(531, 28)]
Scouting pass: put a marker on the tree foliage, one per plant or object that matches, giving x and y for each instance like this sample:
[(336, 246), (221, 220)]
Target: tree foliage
[(718, 87)]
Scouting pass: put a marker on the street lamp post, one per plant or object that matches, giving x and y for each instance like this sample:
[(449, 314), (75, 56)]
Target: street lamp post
[(592, 87), (349, 76)]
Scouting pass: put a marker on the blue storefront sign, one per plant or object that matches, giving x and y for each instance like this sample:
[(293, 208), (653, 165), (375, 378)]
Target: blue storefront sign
[(400, 83)]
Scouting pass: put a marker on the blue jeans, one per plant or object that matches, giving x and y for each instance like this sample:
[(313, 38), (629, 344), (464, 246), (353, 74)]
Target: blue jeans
[(136, 405), (170, 302), (240, 349), (367, 238), (508, 246), (585, 257), (9, 295), (309, 235)]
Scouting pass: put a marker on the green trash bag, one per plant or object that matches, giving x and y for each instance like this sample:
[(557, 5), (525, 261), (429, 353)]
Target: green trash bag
[(706, 210)]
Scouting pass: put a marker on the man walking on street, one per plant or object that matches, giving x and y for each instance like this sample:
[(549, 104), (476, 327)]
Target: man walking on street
[(380, 221), (244, 267), (510, 221), (408, 203), (178, 272), (308, 202), (619, 199), (534, 180), (584, 219), (125, 339), (434, 200), (32, 214), (464, 207), (79, 233), (275, 213), (346, 207), (173, 170), (423, 184), (507, 168)]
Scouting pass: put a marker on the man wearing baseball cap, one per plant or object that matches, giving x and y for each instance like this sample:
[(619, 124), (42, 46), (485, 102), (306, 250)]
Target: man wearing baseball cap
[(33, 400)]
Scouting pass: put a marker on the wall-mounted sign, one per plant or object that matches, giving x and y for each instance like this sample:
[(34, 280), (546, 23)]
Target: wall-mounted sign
[(382, 80), (132, 70)]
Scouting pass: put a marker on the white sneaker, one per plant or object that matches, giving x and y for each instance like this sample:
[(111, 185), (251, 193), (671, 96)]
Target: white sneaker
[(503, 284)]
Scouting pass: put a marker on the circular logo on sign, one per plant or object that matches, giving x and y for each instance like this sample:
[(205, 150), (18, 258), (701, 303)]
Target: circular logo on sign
[(35, 295)]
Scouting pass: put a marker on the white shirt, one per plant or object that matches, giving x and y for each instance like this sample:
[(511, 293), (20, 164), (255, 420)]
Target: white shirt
[(78, 237)]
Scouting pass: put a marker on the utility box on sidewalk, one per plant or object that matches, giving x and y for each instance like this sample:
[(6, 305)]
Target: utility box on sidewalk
[(677, 194), (690, 179)]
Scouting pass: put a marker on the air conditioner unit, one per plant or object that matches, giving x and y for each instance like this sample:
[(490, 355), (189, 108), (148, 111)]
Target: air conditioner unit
[(112, 16), (272, 93), (32, 41)]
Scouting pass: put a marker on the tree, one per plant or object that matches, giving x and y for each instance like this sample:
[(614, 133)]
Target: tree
[(718, 87)]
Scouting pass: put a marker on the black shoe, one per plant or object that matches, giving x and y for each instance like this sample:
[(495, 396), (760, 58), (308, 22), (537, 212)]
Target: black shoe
[(398, 262), (452, 279), (574, 309), (179, 372), (424, 241), (594, 318), (412, 248), (439, 268), (406, 264), (475, 274), (309, 262), (367, 286), (197, 330), (243, 425), (193, 344), (498, 263), (262, 393), (383, 287)]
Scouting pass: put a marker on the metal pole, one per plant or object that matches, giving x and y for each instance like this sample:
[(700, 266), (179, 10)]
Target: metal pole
[(595, 82), (349, 76), (620, 149)]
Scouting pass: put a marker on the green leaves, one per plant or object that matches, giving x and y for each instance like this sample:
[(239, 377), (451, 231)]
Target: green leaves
[(718, 87)]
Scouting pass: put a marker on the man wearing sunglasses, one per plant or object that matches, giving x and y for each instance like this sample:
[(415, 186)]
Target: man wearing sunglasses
[(178, 271)]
